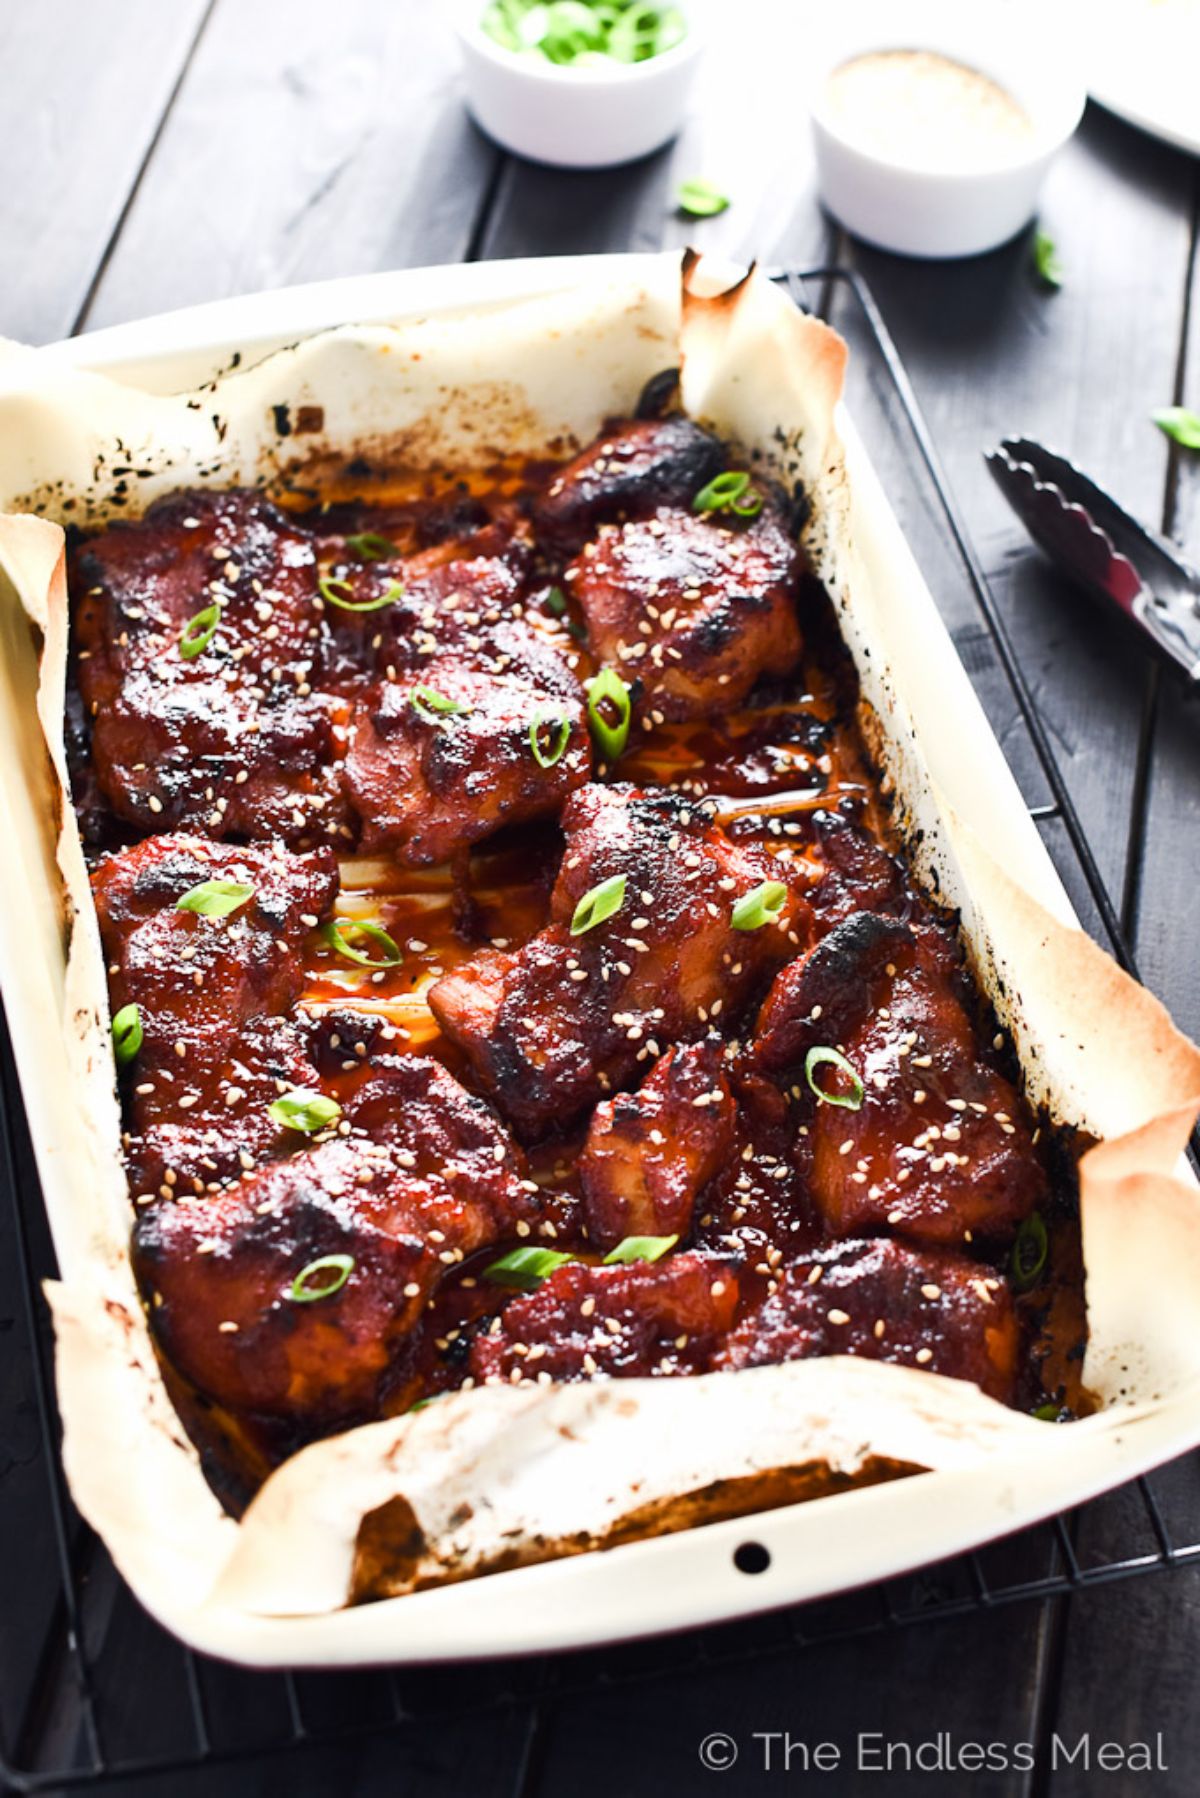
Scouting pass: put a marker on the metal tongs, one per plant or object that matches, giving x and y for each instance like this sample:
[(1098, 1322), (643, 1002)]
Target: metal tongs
[(1106, 552)]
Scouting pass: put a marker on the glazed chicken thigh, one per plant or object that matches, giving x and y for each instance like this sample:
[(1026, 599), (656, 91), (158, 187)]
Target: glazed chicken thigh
[(936, 1147), (198, 636), (571, 1017), (689, 610), (211, 987), (290, 1294), (475, 720), (887, 1302), (650, 1154)]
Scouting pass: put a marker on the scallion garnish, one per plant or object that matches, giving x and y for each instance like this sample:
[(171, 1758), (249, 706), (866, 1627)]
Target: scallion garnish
[(601, 903), (700, 199), (307, 1112), (1029, 1252), (730, 492), (369, 546), (761, 905), (199, 631), (1048, 1413), (640, 1248), (321, 1278), (609, 712), (336, 931), (215, 898), (346, 602), (525, 1268), (555, 601), (824, 1057), (126, 1034), (584, 33), (1181, 425), (433, 706), (1045, 259), (549, 734)]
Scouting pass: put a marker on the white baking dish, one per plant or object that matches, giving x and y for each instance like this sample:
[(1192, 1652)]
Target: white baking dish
[(1142, 1235)]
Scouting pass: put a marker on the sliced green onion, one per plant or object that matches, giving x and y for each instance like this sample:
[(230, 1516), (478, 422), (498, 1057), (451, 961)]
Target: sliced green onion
[(525, 1268), (421, 1403), (601, 903), (346, 602), (215, 898), (1181, 425), (609, 711), (321, 1278), (1048, 1413), (761, 905), (199, 631), (1045, 259), (1029, 1252), (730, 492), (307, 1112), (643, 31), (335, 935), (126, 1034), (700, 199), (584, 33), (640, 1248), (555, 602), (369, 546), (547, 754), (824, 1057), (433, 706)]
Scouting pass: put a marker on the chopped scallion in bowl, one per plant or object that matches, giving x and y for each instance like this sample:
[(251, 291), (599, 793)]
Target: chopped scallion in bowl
[(585, 34)]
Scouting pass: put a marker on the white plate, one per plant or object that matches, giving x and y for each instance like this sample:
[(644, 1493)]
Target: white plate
[(1144, 64)]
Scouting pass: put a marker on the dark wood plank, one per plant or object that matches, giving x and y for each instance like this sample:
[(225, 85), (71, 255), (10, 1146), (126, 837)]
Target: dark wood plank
[(966, 1676), (83, 91), (991, 353), (305, 142), (1166, 890), (1131, 1652), (767, 171)]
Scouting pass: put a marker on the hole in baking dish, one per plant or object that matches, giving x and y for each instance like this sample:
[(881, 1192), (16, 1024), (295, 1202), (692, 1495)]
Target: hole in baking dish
[(751, 1557)]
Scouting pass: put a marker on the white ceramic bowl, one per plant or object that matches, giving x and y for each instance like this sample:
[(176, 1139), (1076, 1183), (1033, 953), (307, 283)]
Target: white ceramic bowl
[(576, 118), (948, 213)]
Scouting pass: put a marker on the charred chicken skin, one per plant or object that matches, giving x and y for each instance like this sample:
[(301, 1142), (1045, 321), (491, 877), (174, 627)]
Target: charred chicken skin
[(441, 762), (198, 636), (649, 1154), (570, 1018), (691, 610), (634, 467), (886, 1302), (937, 1147), (211, 987), (593, 1322), (476, 722), (237, 1283)]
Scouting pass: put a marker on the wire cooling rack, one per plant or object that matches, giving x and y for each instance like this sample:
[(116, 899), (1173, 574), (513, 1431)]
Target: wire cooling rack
[(91, 1689)]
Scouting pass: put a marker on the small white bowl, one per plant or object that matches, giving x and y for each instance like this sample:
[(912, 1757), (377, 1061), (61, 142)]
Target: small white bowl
[(576, 118), (924, 212)]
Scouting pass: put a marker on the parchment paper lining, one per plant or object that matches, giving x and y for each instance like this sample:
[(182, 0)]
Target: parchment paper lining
[(493, 1478)]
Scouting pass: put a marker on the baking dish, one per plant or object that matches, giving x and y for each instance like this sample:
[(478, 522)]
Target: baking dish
[(615, 320)]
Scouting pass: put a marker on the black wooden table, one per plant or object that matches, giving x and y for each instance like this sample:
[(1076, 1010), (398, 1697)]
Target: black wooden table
[(158, 154)]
